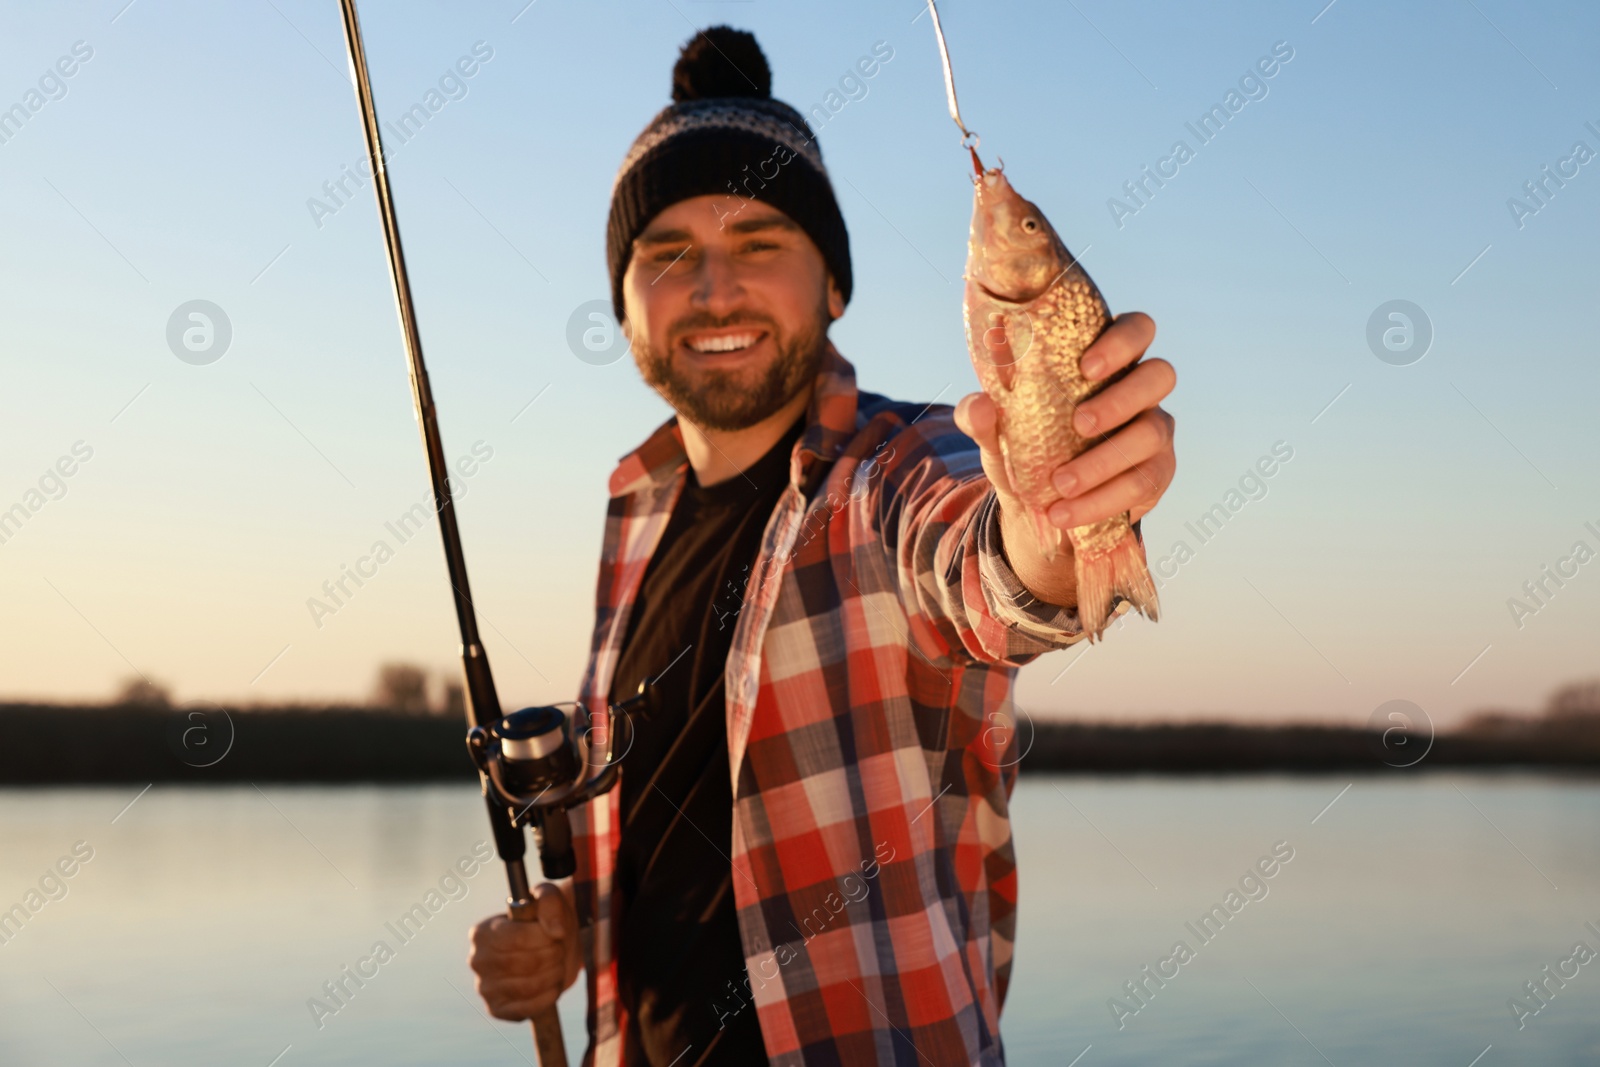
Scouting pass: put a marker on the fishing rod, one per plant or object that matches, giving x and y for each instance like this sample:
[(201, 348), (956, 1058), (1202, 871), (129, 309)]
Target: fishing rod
[(533, 764)]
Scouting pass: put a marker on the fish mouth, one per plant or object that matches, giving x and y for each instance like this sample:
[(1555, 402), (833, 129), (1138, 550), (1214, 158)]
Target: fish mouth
[(1001, 298)]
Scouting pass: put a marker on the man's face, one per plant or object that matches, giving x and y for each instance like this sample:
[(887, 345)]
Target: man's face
[(727, 309)]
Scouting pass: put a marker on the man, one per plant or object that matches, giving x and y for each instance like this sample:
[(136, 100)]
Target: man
[(808, 859)]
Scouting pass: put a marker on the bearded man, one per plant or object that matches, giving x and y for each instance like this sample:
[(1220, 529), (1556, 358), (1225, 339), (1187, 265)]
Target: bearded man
[(808, 859)]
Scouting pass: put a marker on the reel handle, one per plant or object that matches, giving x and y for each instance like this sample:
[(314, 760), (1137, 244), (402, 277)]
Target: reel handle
[(553, 833), (548, 1041)]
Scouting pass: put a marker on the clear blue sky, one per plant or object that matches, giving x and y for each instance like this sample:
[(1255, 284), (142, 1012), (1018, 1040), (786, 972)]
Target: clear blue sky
[(177, 161)]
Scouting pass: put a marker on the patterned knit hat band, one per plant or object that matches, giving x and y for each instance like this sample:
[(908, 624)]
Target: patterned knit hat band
[(770, 120)]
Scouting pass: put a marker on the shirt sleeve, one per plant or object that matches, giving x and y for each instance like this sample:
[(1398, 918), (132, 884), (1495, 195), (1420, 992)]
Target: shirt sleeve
[(941, 519), (1006, 599)]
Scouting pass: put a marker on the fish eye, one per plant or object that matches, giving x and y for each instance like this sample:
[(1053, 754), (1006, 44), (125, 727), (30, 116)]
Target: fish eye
[(1030, 225)]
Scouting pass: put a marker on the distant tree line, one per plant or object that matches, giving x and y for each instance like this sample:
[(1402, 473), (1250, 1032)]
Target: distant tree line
[(399, 686), (1572, 709), (411, 731)]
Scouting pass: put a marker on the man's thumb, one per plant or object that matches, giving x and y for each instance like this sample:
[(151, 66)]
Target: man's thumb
[(552, 910)]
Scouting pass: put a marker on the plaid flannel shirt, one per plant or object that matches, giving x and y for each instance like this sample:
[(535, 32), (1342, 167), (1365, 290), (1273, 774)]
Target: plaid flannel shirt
[(870, 739)]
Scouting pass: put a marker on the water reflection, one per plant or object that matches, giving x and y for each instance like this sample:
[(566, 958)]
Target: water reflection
[(208, 920)]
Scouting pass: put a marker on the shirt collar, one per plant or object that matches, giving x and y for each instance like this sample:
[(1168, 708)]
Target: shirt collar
[(830, 423)]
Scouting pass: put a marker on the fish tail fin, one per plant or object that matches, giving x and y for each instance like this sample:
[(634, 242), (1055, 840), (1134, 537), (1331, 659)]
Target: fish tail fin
[(1119, 571)]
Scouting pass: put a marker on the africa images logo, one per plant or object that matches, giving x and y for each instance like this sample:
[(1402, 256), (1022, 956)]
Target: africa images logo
[(199, 332)]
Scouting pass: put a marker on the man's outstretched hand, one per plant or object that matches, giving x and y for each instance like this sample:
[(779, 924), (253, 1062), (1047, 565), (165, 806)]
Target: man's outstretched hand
[(1129, 471)]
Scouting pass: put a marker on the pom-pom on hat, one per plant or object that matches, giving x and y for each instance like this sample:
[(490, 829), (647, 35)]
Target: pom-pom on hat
[(725, 135), (721, 62)]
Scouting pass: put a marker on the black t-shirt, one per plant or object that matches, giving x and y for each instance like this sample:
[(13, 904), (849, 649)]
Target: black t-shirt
[(680, 964)]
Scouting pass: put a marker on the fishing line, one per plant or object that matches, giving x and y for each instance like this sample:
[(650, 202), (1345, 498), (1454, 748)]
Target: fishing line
[(969, 139)]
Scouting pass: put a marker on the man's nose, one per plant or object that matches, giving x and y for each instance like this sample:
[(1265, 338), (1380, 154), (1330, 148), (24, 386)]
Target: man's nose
[(717, 287)]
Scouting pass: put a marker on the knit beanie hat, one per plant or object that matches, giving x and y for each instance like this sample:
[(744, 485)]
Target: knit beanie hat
[(725, 134)]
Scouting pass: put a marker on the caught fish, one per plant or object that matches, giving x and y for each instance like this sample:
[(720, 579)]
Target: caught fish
[(1030, 312)]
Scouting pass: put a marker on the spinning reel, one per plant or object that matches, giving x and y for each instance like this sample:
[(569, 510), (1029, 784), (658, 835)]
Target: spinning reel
[(539, 762)]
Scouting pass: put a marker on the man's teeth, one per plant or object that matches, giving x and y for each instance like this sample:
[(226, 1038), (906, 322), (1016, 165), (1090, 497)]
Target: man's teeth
[(731, 343)]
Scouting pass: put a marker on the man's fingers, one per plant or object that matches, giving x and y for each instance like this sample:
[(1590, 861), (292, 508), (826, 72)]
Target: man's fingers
[(502, 935), (506, 950), (977, 417), (1145, 386), (521, 959), (552, 910), (517, 1002), (1122, 343), (516, 990), (1123, 493), (1144, 437)]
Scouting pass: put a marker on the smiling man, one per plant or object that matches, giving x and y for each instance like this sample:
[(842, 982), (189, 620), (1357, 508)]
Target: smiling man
[(808, 859)]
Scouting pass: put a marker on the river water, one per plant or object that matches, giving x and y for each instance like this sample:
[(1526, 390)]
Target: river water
[(1401, 916)]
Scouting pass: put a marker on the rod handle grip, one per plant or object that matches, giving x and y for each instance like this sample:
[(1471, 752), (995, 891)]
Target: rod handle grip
[(548, 1044), (548, 1041)]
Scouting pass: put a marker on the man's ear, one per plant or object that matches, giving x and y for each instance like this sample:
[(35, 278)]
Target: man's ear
[(835, 298)]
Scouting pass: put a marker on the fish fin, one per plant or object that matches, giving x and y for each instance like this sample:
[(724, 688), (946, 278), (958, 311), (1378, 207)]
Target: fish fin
[(1050, 536), (1120, 571), (1006, 359), (998, 350), (1006, 465), (1049, 533)]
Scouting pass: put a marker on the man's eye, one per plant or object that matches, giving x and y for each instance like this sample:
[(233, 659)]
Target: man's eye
[(760, 246), (669, 255)]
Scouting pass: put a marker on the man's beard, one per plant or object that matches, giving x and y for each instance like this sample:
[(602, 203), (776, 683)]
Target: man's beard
[(723, 399)]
